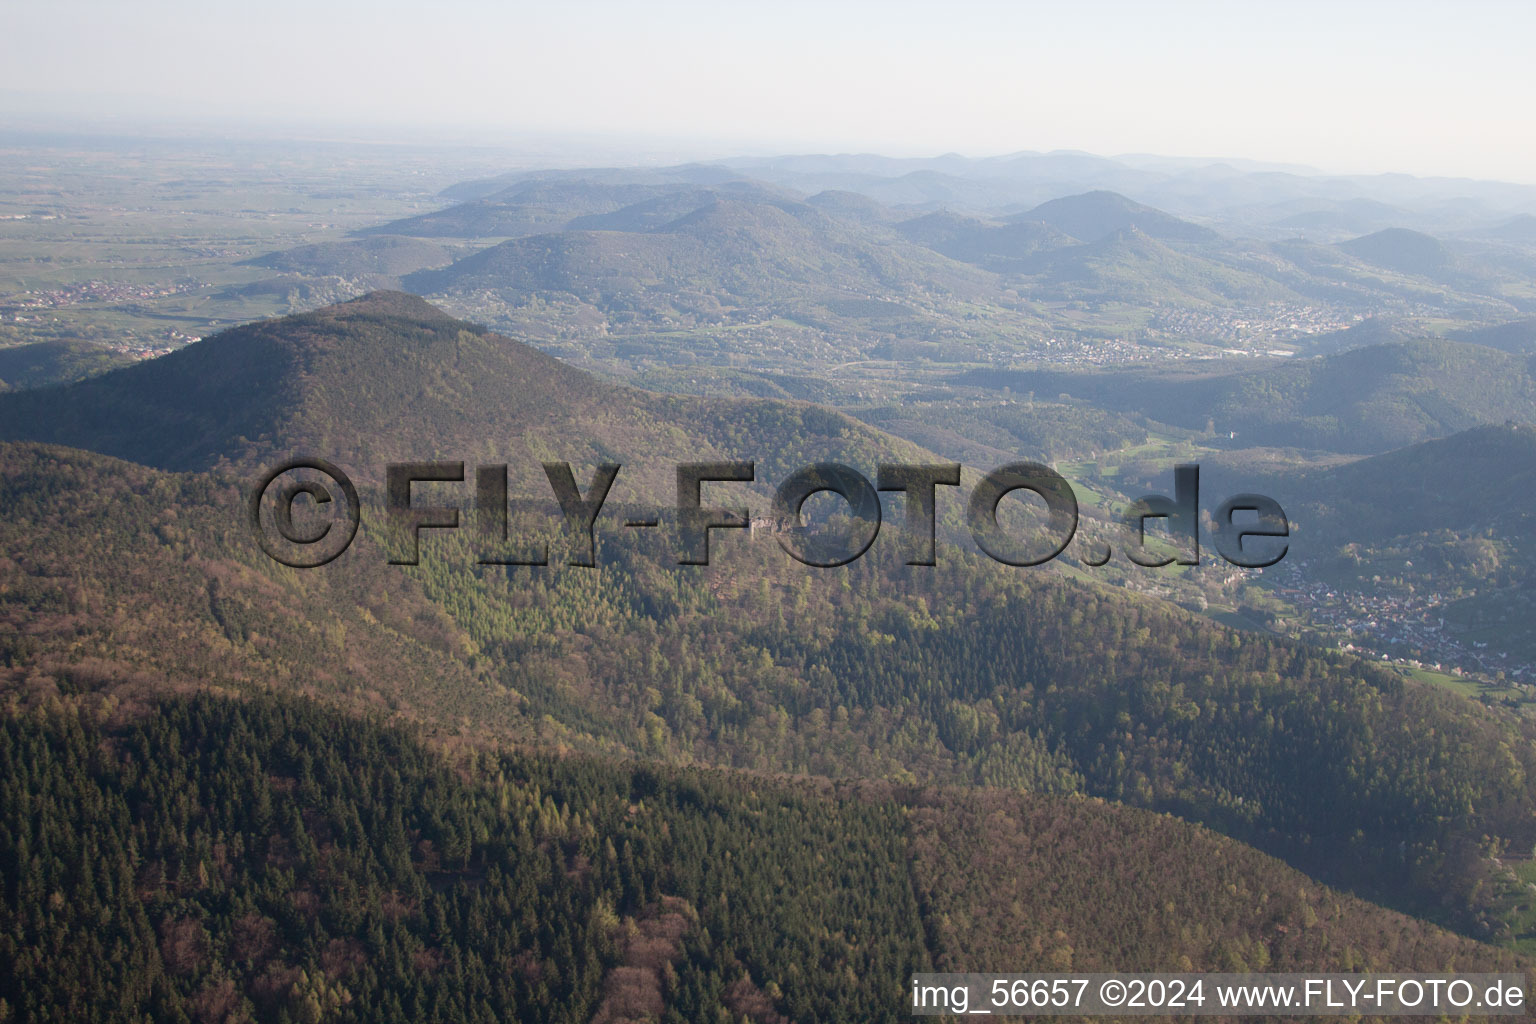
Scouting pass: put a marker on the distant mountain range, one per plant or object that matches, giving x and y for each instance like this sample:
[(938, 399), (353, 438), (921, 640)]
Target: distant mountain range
[(584, 261), (1061, 224), (703, 251), (1251, 197)]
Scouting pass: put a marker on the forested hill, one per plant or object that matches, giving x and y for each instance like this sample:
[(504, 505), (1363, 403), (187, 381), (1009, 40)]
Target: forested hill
[(1477, 483), (373, 257), (695, 254), (125, 581), (213, 860), (1094, 216), (1452, 518), (54, 362), (1367, 400), (390, 378)]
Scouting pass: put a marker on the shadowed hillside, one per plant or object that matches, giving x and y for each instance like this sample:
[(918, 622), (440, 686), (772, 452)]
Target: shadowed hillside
[(1365, 401), (1515, 336), (390, 378), (126, 581), (272, 861), (42, 363), (1475, 481)]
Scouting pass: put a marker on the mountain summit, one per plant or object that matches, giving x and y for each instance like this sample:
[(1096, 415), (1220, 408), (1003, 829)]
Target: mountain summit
[(1096, 215), (389, 377)]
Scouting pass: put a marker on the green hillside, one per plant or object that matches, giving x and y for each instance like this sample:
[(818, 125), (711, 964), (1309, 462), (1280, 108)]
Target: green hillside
[(1450, 521), (1376, 330), (992, 433), (132, 582), (852, 205), (998, 246), (1469, 483), (126, 581), (272, 861), (1515, 336), (42, 363), (1135, 267)]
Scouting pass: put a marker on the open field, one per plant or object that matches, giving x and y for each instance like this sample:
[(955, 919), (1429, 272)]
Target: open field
[(139, 244)]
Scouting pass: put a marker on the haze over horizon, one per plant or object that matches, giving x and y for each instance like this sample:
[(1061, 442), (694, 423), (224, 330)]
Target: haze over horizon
[(1367, 88)]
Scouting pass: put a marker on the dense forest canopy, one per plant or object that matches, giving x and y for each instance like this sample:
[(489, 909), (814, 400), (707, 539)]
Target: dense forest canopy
[(270, 860)]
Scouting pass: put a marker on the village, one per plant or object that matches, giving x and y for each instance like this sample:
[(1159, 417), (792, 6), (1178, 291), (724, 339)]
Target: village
[(1405, 628)]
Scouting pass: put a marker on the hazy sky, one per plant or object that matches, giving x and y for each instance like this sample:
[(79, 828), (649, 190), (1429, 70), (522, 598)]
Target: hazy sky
[(1436, 88)]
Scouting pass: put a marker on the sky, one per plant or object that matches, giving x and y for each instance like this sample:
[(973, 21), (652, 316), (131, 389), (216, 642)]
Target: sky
[(1364, 87)]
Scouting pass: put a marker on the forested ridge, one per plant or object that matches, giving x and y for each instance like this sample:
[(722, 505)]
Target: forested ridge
[(388, 378), (212, 859), (126, 581), (457, 790), (1365, 401), (218, 860)]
